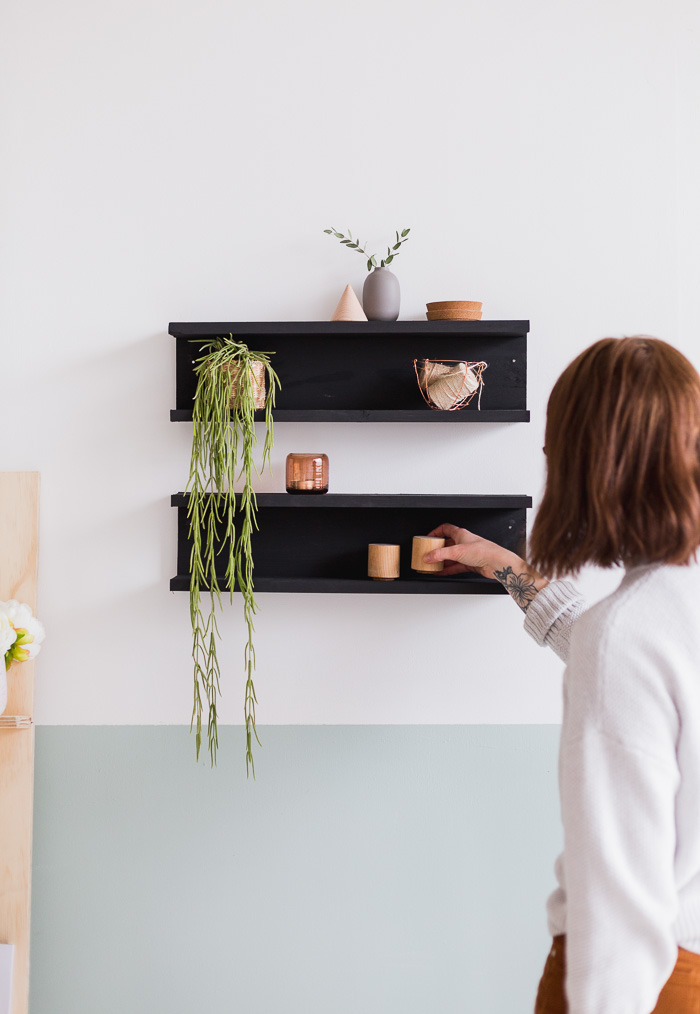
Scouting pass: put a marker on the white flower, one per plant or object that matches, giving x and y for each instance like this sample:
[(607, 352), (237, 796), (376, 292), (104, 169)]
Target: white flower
[(8, 634), (28, 631)]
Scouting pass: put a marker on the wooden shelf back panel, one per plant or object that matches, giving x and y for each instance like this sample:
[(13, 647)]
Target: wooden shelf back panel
[(352, 368), (19, 528)]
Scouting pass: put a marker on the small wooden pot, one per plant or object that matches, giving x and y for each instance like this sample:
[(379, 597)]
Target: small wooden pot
[(383, 561), (453, 314), (422, 545)]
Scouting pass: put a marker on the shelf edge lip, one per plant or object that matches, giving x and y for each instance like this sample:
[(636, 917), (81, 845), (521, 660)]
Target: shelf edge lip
[(329, 501), (210, 329), (358, 586), (280, 415)]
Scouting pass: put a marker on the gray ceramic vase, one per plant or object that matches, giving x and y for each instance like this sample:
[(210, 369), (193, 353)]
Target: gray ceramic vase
[(381, 295)]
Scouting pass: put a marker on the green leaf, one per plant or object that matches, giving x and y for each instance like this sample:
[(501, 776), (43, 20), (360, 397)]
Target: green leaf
[(397, 245), (374, 261), (369, 264), (349, 233), (328, 232), (405, 232), (354, 246), (343, 241), (338, 235), (390, 258), (397, 237), (382, 264)]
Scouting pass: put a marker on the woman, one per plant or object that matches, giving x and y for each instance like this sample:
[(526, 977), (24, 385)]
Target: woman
[(623, 489)]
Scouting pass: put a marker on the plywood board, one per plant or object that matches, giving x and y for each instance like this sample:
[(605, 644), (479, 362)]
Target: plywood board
[(19, 537)]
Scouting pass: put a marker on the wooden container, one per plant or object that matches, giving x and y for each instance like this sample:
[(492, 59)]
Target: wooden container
[(422, 545), (383, 561), (454, 304), (306, 473), (453, 314)]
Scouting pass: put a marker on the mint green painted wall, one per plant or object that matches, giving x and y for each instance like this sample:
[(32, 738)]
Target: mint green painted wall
[(373, 869)]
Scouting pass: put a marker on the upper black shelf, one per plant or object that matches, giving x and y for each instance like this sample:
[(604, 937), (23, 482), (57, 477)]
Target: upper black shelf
[(362, 371), (359, 415), (354, 328)]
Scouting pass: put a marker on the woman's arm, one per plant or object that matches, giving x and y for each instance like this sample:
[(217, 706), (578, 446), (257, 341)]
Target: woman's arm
[(465, 551), (550, 609)]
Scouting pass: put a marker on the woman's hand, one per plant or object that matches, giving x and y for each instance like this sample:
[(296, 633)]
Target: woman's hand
[(465, 551)]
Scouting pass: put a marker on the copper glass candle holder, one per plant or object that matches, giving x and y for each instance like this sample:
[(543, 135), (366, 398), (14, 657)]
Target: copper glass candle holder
[(307, 473)]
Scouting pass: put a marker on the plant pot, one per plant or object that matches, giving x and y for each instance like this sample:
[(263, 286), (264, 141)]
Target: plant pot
[(257, 377), (381, 295)]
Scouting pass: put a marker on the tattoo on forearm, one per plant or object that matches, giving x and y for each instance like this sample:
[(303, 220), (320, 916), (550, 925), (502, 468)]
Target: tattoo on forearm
[(520, 586)]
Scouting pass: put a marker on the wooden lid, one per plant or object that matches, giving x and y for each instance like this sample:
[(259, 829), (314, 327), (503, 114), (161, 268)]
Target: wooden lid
[(455, 304)]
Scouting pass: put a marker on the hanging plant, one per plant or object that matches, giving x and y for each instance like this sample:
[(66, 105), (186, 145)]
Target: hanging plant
[(230, 386)]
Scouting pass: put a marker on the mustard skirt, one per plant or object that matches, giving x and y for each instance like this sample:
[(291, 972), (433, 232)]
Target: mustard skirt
[(680, 995)]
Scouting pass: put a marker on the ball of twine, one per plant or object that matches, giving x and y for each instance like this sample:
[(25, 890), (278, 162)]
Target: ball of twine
[(449, 384)]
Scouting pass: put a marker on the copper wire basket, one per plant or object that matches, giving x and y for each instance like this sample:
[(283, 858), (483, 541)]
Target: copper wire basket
[(446, 388)]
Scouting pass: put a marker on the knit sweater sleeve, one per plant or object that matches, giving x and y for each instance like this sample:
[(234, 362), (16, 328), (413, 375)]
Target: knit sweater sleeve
[(551, 615), (619, 778)]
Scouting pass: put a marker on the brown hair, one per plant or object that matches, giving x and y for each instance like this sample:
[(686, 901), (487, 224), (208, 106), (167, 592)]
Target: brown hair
[(623, 460)]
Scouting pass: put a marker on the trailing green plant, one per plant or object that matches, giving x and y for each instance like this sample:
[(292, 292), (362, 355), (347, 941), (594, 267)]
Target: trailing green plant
[(354, 244), (223, 444)]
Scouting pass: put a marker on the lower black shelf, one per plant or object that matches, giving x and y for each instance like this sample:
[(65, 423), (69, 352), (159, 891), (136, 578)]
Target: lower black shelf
[(318, 544), (364, 586)]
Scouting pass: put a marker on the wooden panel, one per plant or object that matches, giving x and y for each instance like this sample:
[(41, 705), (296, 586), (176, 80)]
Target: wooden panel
[(19, 525), (363, 374), (319, 543)]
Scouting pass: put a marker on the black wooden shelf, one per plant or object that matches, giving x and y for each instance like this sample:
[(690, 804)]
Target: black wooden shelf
[(344, 328), (359, 415), (319, 543), (437, 585), (381, 501), (362, 371)]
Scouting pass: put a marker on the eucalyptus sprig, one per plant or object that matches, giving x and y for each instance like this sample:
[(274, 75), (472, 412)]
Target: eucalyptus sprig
[(353, 244), (223, 441)]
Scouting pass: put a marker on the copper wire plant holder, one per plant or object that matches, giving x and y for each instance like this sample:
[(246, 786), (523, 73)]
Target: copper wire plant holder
[(430, 372)]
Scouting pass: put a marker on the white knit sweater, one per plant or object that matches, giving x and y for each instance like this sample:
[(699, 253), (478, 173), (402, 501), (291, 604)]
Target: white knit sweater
[(629, 777)]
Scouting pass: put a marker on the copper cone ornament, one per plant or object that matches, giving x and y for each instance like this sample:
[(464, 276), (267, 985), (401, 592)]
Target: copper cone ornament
[(349, 307)]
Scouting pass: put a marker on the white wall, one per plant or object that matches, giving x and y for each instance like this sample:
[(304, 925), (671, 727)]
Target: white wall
[(178, 161)]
